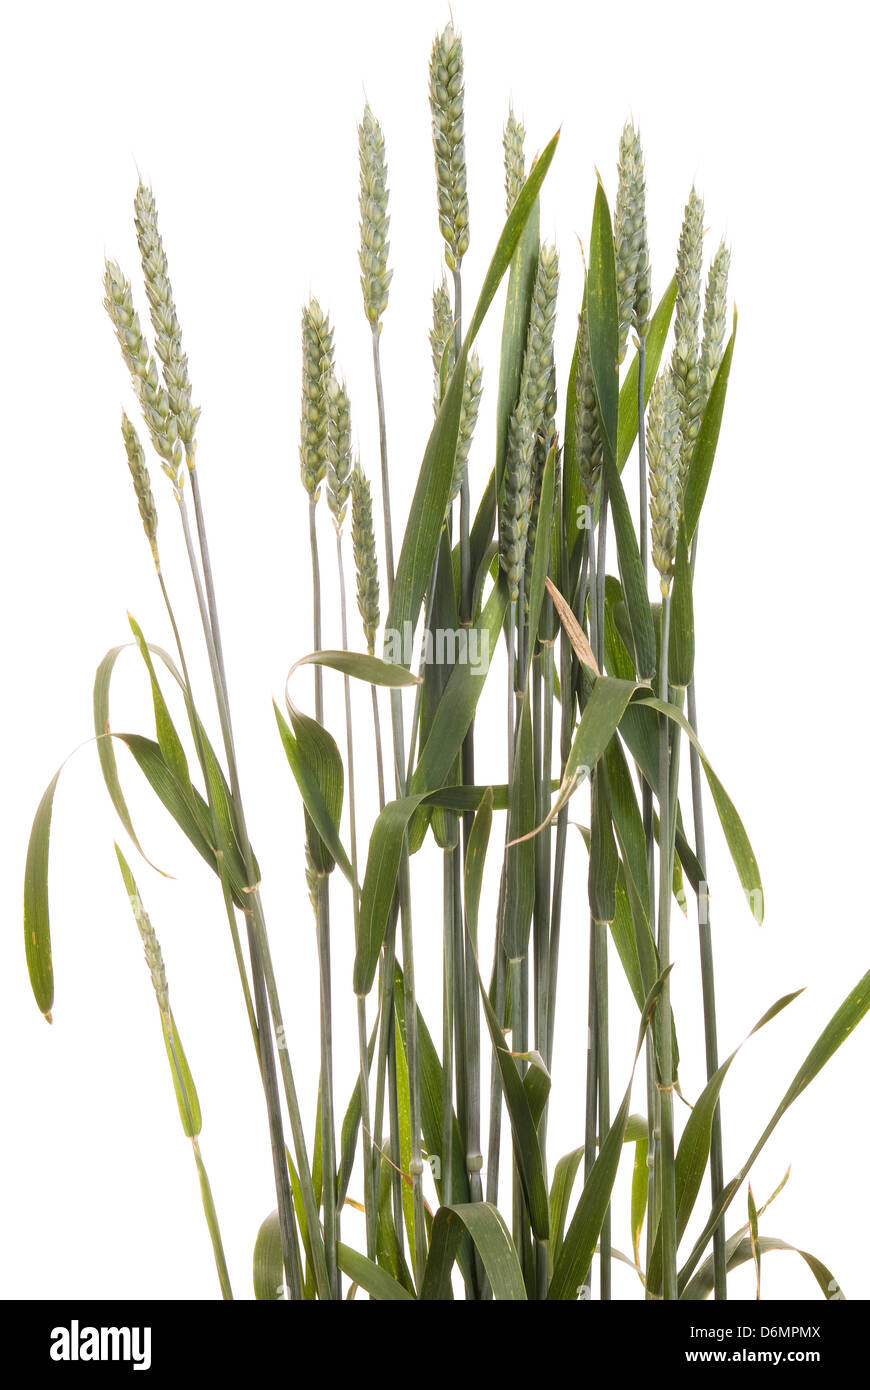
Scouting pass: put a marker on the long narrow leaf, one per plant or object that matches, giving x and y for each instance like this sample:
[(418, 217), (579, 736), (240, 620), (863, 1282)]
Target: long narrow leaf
[(483, 1222)]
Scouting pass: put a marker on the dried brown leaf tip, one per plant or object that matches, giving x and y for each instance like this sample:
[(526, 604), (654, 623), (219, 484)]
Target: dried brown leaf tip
[(576, 636)]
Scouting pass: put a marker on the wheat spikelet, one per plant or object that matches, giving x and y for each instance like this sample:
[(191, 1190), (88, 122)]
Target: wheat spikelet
[(153, 957), (664, 443), (317, 372), (587, 423), (441, 336), (514, 159), (537, 379), (715, 309), (446, 101), (164, 317), (685, 362), (364, 554), (374, 218), (471, 391), (153, 399), (338, 452), (516, 502), (630, 239), (141, 483)]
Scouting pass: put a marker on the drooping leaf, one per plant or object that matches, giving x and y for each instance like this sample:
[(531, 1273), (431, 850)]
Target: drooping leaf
[(268, 1262), (313, 763), (735, 834), (376, 1281), (37, 927), (370, 669), (483, 1222), (739, 1251)]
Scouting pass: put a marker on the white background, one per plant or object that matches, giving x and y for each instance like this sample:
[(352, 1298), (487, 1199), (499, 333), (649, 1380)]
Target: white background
[(244, 120)]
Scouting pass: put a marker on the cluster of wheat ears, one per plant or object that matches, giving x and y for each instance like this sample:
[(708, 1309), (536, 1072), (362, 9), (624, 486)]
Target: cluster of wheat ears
[(600, 682)]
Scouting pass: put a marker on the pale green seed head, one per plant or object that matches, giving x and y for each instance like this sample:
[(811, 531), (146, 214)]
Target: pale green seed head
[(689, 258), (374, 219), (471, 392), (633, 284), (364, 554), (516, 500), (514, 159), (537, 373), (164, 317), (664, 444), (686, 360), (441, 336), (153, 399), (317, 372), (141, 483), (338, 452), (715, 312), (446, 101), (153, 957), (587, 424)]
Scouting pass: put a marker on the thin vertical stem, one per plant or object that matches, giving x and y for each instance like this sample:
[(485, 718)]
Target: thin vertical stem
[(362, 1027), (568, 666), (324, 953), (446, 1155), (663, 1013), (404, 880), (647, 812), (257, 941), (708, 987), (601, 1002), (385, 472)]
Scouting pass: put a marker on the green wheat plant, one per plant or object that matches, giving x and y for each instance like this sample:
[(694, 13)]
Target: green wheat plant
[(536, 549)]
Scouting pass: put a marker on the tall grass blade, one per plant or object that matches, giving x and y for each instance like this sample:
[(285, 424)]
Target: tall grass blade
[(705, 445), (832, 1037)]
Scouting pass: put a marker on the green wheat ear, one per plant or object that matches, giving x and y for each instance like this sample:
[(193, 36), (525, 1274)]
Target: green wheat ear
[(664, 447), (141, 483), (374, 218), (634, 291), (471, 392), (153, 398), (317, 372), (685, 362), (514, 159), (153, 953), (587, 423), (338, 451), (364, 554), (441, 337), (164, 317), (516, 505), (715, 309), (446, 101)]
